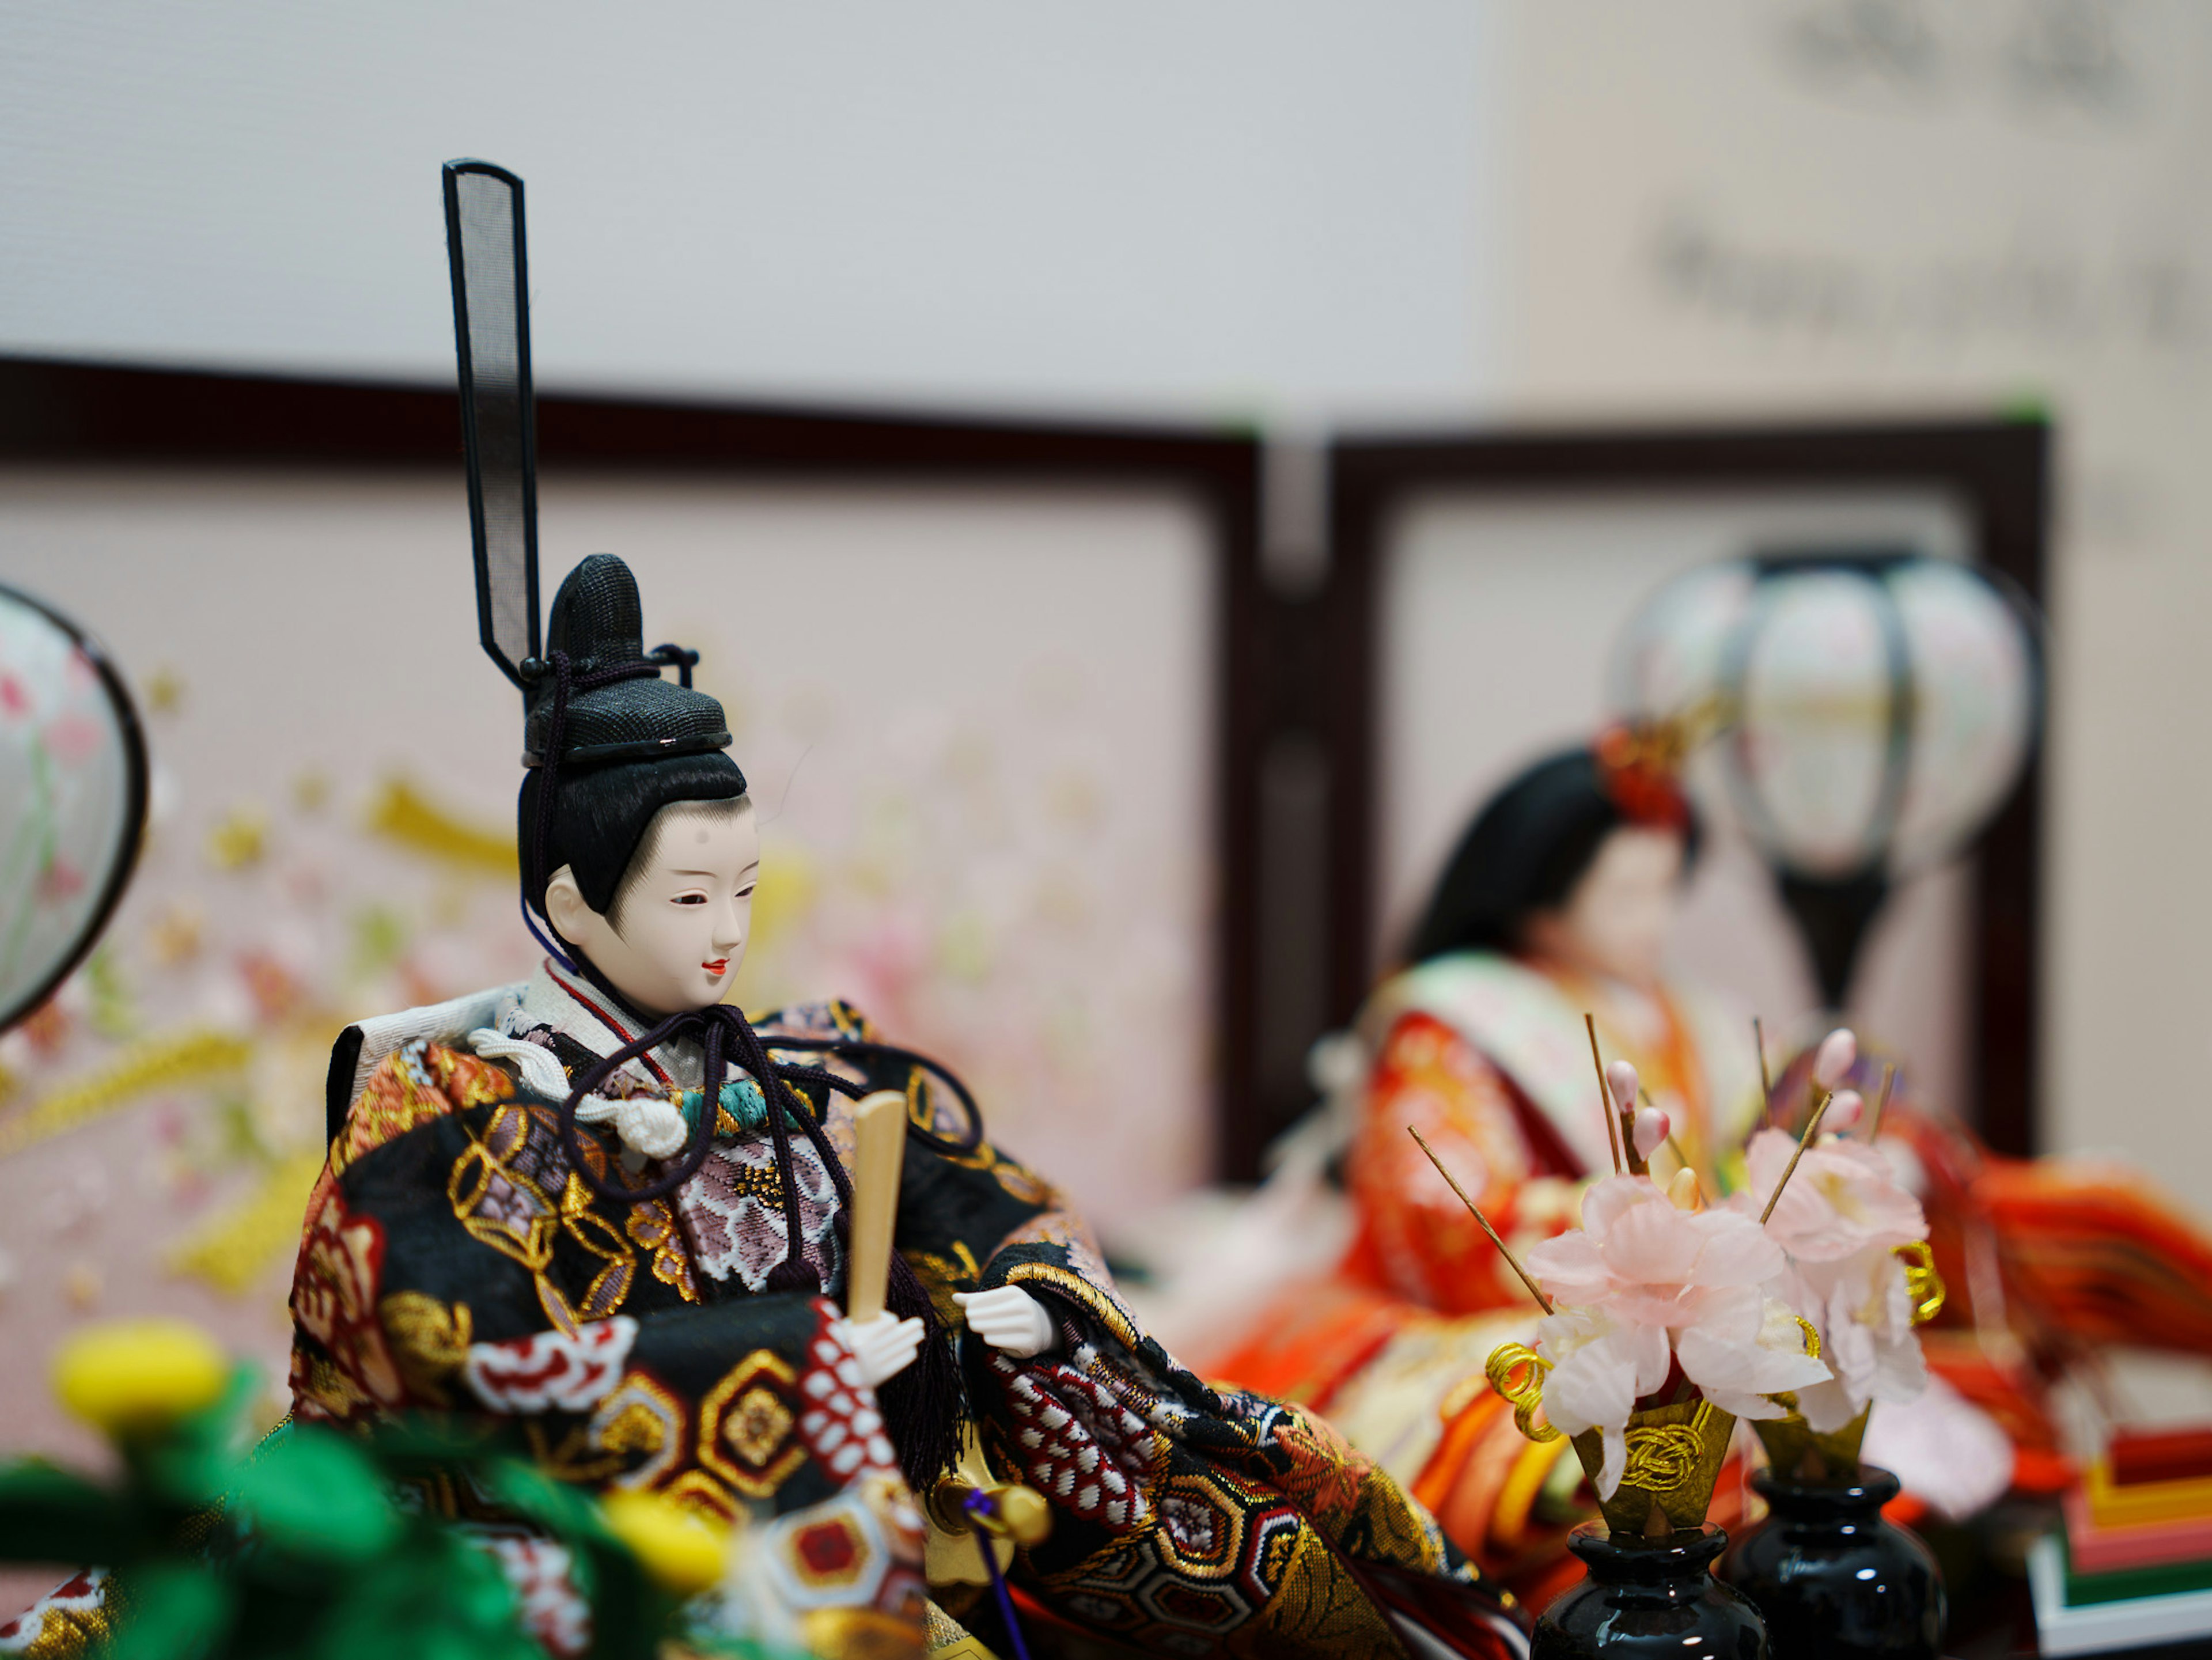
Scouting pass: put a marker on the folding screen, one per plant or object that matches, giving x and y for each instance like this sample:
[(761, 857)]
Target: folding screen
[(972, 674), (1473, 590)]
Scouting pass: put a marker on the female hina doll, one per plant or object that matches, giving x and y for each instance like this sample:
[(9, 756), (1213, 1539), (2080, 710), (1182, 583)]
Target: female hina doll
[(1557, 903), (606, 1211)]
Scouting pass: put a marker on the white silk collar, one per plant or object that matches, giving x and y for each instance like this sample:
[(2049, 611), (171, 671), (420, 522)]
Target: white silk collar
[(578, 1010)]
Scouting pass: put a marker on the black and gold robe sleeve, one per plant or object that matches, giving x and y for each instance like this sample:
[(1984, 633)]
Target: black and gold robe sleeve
[(453, 1262), (1185, 1520)]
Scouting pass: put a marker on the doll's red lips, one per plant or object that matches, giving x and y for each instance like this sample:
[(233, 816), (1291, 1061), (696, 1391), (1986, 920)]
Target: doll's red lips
[(717, 965)]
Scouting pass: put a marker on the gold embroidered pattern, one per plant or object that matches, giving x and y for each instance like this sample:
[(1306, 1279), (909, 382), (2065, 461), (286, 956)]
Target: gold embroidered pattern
[(697, 1490), (610, 1286), (634, 1429), (642, 1420), (412, 1086), (506, 1210), (497, 1192), (941, 1276), (632, 1439), (758, 1425), (429, 1340), (465, 1079), (70, 1622), (1073, 1285), (652, 1226), (323, 1391), (739, 1439), (1023, 1184), (573, 1458)]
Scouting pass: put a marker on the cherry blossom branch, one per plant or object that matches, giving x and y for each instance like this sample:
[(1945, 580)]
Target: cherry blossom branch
[(1874, 1118), (1475, 1210), (1839, 1053), (1616, 1134), (1766, 1078)]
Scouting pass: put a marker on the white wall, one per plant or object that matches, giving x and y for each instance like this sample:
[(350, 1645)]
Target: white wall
[(1220, 210), (1722, 207)]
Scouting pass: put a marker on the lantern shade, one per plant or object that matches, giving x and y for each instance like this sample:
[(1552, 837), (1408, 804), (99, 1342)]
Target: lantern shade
[(1817, 770), (72, 799), (1877, 706), (1980, 692)]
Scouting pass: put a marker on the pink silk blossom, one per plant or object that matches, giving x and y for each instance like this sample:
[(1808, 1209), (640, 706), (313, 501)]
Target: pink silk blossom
[(1843, 1198), (1642, 1287), (1646, 1263), (1600, 1368), (1838, 1222)]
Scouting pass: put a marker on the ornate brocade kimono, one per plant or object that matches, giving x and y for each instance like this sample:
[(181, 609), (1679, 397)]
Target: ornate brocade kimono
[(452, 1260)]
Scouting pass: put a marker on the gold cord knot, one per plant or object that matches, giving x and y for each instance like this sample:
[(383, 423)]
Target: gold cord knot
[(1922, 1283), (1662, 1457), (1516, 1373)]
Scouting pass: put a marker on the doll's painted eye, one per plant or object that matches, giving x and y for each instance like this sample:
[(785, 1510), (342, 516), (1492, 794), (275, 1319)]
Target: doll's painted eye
[(746, 892), (690, 899)]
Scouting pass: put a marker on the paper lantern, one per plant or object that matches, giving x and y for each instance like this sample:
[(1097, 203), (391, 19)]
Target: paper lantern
[(72, 799), (1875, 710)]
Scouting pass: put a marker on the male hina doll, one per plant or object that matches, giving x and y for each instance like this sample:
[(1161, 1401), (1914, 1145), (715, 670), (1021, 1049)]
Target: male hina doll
[(606, 1210)]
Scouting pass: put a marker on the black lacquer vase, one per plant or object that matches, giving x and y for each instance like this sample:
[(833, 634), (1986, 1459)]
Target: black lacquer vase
[(1833, 1579), (1649, 1598)]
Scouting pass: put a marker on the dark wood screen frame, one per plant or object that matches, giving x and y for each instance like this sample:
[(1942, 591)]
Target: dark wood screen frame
[(75, 413), (1998, 470), (1292, 658)]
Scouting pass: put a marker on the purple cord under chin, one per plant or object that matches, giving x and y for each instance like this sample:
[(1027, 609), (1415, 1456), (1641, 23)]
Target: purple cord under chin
[(975, 1505), (551, 950)]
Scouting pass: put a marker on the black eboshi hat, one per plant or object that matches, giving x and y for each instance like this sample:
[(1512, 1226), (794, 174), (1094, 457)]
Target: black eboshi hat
[(615, 706)]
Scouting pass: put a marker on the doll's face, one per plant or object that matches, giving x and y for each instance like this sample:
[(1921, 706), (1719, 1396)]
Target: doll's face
[(1616, 919), (685, 918)]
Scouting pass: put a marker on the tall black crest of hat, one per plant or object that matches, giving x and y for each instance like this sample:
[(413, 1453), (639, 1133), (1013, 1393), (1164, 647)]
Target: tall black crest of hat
[(593, 694), (617, 707)]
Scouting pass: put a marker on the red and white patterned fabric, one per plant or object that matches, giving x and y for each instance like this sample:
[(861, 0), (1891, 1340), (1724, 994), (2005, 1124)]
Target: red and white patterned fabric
[(552, 1370), (84, 1593), (1078, 1443), (842, 1425), (543, 1574)]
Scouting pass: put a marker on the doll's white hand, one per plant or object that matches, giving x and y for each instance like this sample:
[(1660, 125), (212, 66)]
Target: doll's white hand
[(1008, 1318), (885, 1346)]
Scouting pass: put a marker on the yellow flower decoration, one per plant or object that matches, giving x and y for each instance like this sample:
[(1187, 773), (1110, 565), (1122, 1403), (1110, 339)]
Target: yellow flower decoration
[(133, 1377), (681, 1550)]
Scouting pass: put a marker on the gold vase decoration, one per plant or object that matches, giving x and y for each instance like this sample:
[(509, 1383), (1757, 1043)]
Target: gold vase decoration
[(1795, 1449), (1674, 1452)]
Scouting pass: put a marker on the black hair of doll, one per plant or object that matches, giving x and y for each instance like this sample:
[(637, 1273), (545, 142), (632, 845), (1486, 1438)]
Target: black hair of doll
[(1528, 847), (601, 814)]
